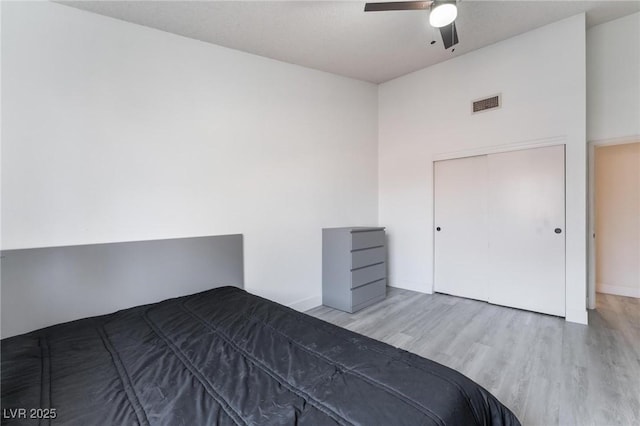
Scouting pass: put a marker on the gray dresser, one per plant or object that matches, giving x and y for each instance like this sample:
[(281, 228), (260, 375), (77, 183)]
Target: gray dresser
[(354, 268)]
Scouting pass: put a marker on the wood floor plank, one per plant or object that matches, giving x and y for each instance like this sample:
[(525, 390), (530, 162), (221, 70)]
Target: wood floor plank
[(548, 371)]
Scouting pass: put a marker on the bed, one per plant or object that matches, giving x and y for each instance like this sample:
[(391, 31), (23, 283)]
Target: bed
[(224, 356)]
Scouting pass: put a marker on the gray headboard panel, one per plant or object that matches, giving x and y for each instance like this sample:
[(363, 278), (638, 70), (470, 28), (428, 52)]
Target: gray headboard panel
[(46, 286)]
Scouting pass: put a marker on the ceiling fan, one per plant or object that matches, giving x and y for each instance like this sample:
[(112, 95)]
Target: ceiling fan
[(442, 15)]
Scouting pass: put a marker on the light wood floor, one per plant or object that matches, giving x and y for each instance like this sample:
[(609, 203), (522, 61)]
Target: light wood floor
[(547, 371)]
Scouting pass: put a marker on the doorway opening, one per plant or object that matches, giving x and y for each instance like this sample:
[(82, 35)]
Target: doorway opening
[(614, 221)]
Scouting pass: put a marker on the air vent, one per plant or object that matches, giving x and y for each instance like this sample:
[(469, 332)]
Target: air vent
[(486, 104)]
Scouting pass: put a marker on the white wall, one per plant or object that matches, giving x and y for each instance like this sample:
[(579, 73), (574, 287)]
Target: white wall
[(617, 202), (613, 77), (541, 75), (117, 132)]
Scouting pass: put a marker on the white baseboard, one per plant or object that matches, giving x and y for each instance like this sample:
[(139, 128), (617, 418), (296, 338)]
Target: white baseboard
[(408, 285), (618, 290), (578, 316), (306, 304)]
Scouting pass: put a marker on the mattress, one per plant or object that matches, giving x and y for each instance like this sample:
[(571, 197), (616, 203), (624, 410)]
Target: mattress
[(227, 357)]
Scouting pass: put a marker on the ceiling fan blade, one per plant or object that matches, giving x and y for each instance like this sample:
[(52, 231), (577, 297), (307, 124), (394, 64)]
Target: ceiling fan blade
[(397, 5), (449, 35)]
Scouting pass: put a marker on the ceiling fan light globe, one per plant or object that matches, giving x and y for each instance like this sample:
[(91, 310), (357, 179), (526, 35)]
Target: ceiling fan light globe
[(443, 14)]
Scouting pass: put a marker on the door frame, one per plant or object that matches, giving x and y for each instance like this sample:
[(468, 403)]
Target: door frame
[(591, 209), (531, 144)]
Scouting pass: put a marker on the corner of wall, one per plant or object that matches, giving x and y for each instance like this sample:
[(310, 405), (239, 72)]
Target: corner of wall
[(578, 316), (306, 304)]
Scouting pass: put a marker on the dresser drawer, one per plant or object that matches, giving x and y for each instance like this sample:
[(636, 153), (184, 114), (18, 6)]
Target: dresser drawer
[(368, 274), (370, 292), (367, 239), (367, 257)]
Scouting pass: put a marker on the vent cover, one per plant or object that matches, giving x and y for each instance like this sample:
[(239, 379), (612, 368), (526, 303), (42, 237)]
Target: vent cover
[(486, 104)]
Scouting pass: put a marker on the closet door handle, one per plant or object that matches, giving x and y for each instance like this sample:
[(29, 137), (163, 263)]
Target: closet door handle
[(557, 230), (438, 229)]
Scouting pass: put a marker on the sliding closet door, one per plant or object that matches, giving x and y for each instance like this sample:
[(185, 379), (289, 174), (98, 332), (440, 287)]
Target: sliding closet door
[(460, 227), (527, 229)]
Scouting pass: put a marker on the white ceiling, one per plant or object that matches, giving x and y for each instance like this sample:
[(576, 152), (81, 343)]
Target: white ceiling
[(338, 37)]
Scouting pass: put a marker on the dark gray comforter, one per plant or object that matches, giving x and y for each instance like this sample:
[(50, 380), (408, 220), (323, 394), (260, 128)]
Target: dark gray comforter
[(224, 357)]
